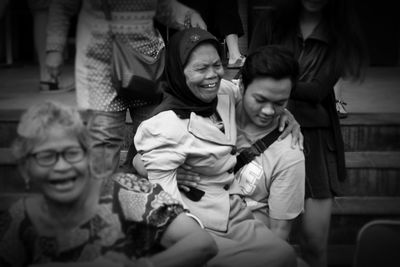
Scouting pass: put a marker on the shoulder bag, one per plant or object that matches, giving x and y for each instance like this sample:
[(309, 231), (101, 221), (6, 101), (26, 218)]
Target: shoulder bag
[(134, 75)]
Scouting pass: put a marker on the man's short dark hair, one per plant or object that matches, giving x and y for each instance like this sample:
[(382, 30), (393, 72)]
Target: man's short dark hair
[(271, 61)]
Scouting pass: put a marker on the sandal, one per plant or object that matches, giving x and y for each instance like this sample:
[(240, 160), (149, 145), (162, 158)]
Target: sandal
[(52, 87), (238, 63), (341, 110)]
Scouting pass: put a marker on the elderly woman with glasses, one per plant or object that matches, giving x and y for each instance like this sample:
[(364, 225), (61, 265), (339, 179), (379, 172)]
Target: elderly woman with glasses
[(78, 220)]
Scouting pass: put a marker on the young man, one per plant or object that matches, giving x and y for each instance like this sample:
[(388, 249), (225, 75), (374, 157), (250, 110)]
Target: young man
[(273, 182)]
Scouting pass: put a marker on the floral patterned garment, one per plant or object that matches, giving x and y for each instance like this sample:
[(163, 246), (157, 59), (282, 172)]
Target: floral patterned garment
[(133, 214)]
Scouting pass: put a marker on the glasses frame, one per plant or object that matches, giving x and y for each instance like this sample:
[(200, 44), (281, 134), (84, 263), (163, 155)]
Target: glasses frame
[(57, 154)]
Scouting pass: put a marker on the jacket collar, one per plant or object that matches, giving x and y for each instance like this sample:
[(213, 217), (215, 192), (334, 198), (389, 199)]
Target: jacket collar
[(320, 33), (201, 128)]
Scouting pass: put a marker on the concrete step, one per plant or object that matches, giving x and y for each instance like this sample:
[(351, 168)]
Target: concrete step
[(365, 193), (366, 132), (341, 255), (372, 159), (361, 131), (338, 255), (372, 182), (343, 237), (367, 205), (373, 173)]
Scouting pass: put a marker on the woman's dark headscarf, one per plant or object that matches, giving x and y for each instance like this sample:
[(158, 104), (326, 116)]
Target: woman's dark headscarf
[(177, 95)]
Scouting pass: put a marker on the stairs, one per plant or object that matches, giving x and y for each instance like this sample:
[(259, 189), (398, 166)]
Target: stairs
[(372, 190)]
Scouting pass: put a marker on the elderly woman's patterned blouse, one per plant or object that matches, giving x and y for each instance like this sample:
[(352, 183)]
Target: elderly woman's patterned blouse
[(132, 216)]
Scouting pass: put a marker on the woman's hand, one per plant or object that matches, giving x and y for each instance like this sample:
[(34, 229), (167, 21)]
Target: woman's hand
[(288, 124), (197, 21), (186, 178), (194, 20)]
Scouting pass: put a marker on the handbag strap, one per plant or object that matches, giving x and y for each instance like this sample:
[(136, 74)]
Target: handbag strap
[(105, 6), (248, 154)]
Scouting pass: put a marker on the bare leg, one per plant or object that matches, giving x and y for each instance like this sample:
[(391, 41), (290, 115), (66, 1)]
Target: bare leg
[(340, 104), (40, 18), (66, 80), (233, 47), (338, 89), (315, 230)]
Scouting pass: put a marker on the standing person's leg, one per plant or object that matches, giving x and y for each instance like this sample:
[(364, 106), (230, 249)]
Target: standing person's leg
[(39, 33), (232, 42), (40, 13), (138, 114), (322, 184), (315, 223), (340, 104), (107, 134), (228, 25)]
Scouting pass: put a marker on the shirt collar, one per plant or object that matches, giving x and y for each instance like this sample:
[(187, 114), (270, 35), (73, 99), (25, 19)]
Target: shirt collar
[(320, 33)]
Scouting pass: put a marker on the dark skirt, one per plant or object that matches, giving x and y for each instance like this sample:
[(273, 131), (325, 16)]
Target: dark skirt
[(321, 163)]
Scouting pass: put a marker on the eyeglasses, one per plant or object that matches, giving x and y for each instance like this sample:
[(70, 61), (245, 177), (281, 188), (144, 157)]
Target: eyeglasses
[(50, 157)]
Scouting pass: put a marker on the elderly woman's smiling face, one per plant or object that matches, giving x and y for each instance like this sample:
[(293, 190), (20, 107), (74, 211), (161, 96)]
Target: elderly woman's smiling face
[(203, 72), (59, 166)]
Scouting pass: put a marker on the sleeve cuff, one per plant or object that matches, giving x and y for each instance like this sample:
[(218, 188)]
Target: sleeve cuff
[(196, 219), (54, 47)]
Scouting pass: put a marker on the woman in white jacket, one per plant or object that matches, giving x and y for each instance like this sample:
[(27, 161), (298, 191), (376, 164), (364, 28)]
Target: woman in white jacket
[(195, 125)]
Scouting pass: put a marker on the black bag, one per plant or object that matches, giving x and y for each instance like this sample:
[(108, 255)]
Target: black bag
[(134, 75)]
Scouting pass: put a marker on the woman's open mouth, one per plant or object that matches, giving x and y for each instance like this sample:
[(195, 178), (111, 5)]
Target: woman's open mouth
[(210, 85), (63, 184)]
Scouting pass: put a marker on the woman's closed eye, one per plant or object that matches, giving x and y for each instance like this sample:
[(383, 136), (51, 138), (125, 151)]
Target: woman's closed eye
[(45, 155), (218, 64), (203, 68)]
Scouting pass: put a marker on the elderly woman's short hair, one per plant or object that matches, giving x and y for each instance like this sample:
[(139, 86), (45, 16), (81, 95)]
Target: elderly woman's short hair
[(39, 119)]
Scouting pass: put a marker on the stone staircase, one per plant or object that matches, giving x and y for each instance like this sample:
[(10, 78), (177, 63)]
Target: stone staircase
[(372, 190)]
